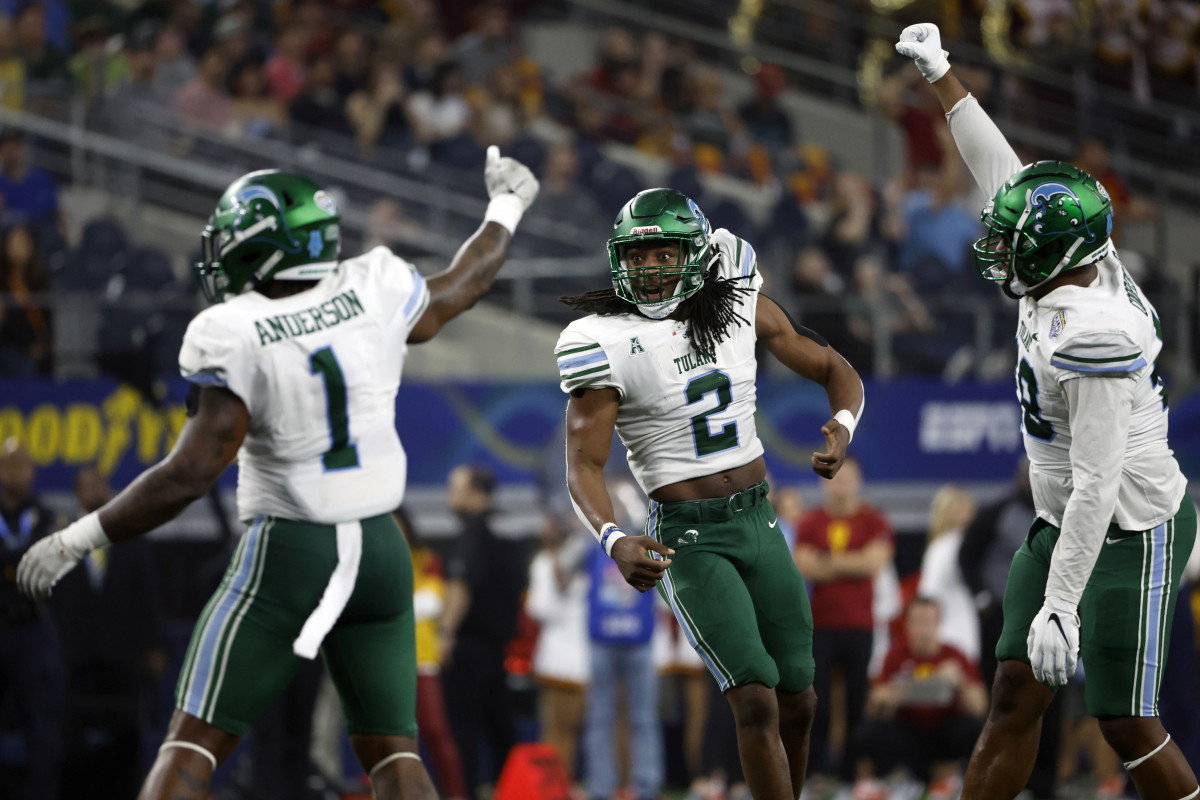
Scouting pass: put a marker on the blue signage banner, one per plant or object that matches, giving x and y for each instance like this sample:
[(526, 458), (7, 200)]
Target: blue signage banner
[(912, 430)]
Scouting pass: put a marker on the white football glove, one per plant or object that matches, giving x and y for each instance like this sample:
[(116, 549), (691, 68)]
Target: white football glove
[(511, 187), (46, 562), (923, 44), (1053, 642), (51, 558)]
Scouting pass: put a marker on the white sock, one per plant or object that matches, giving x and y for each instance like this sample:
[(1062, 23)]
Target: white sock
[(190, 746), (384, 762), (1137, 762)]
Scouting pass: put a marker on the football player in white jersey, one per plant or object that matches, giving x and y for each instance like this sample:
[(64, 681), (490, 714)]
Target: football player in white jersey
[(666, 358), (1097, 578), (297, 368)]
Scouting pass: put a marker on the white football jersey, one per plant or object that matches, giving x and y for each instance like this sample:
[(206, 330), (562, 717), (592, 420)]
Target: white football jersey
[(318, 372), (682, 414), (1107, 330)]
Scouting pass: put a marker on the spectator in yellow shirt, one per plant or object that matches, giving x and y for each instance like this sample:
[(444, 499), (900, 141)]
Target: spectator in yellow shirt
[(429, 593)]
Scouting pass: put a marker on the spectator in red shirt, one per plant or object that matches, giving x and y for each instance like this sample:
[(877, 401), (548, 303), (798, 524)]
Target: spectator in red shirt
[(840, 548), (925, 709), (284, 70), (913, 105)]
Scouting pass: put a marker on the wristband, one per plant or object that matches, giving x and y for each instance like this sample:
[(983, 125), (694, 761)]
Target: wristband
[(608, 537), (937, 71), (848, 422), (84, 535), (505, 209)]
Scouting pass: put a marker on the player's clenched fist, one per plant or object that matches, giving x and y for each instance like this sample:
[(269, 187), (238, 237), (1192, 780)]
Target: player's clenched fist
[(923, 44)]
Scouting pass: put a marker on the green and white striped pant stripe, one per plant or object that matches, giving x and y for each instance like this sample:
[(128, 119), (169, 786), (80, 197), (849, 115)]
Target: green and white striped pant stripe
[(690, 630), (208, 653), (1157, 563)]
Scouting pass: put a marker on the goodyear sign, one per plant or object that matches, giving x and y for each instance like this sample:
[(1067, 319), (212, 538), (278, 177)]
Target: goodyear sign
[(67, 425), (912, 429)]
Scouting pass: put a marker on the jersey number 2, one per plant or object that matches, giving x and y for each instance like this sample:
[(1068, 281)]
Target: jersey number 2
[(1027, 391), (706, 442), (342, 454)]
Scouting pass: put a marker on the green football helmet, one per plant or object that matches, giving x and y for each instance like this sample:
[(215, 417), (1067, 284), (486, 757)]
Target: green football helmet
[(653, 216), (1047, 218), (269, 225)]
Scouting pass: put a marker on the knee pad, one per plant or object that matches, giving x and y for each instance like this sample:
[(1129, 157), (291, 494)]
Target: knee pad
[(190, 746), (383, 762)]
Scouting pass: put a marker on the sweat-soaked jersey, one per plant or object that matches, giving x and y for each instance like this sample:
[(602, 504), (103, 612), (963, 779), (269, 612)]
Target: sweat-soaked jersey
[(682, 414), (318, 372)]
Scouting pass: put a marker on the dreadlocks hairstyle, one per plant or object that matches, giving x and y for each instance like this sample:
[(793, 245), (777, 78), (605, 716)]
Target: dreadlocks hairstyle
[(711, 310)]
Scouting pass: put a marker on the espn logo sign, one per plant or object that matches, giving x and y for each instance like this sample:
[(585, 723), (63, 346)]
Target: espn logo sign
[(970, 427), (645, 229)]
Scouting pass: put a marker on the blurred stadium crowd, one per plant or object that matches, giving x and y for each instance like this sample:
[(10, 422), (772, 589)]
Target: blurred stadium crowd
[(878, 260)]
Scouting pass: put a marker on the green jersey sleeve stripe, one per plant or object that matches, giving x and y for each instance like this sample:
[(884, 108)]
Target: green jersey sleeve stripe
[(581, 373), (1082, 360), (586, 347)]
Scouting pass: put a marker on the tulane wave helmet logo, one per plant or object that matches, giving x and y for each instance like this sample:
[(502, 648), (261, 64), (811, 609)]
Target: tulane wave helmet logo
[(245, 201), (258, 209), (699, 215), (1058, 211)]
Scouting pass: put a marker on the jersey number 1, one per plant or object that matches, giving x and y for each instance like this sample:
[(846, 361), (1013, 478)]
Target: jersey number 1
[(342, 454), (706, 442)]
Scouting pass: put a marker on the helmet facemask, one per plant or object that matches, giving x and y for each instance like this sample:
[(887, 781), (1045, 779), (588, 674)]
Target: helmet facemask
[(998, 261), (648, 284), (213, 280), (652, 220)]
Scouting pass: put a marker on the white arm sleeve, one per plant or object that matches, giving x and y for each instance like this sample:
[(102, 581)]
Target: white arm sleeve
[(984, 149), (1100, 410)]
